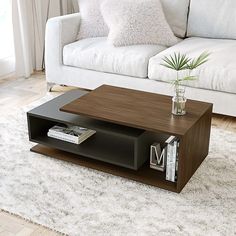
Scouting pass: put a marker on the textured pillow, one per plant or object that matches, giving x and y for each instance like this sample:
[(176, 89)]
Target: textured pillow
[(92, 23), (137, 22)]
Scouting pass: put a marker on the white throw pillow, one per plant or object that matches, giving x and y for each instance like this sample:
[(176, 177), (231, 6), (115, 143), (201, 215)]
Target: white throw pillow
[(92, 23), (137, 22)]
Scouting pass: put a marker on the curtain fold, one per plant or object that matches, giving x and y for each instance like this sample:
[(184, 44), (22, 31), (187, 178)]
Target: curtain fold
[(22, 28), (7, 59), (29, 19)]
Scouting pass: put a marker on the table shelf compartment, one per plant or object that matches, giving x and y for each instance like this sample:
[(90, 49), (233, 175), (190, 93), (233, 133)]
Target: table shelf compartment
[(129, 151)]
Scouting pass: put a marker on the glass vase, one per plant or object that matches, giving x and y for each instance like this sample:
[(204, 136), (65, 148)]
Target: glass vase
[(179, 101)]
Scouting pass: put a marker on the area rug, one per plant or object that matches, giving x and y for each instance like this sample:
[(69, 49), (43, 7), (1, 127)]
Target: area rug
[(79, 201)]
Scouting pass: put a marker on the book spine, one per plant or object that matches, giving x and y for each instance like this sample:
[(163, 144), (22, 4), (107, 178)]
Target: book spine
[(82, 139), (177, 161), (168, 162), (63, 135), (171, 161), (173, 165), (63, 138)]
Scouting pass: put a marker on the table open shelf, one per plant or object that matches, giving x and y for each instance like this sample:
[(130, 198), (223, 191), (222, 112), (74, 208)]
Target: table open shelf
[(126, 149)]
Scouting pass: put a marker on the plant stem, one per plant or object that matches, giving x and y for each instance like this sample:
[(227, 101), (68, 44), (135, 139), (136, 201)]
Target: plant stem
[(177, 93)]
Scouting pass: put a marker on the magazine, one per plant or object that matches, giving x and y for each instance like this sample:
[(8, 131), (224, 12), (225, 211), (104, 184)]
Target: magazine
[(70, 133)]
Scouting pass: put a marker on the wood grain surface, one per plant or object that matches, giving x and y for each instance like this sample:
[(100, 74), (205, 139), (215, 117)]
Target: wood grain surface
[(136, 109)]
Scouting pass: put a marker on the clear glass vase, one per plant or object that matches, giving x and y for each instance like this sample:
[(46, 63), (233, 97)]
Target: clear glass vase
[(179, 101)]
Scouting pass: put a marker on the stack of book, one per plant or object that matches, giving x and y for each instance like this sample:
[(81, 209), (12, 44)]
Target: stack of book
[(166, 159), (70, 133), (172, 158)]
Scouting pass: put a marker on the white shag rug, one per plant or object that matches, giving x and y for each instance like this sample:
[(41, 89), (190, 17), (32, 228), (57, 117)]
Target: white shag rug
[(79, 201)]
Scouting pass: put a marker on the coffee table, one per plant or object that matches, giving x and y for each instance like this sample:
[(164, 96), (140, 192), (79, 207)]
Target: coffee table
[(127, 122)]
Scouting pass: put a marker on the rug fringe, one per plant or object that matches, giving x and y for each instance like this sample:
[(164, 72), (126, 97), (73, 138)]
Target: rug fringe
[(32, 222)]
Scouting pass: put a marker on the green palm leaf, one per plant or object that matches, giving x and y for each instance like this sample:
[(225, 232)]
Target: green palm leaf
[(180, 62), (203, 58), (188, 78), (179, 81), (176, 62)]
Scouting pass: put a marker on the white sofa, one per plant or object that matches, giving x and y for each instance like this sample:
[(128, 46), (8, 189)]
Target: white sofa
[(92, 62)]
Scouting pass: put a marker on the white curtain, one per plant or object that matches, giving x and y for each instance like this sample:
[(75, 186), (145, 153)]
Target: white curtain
[(29, 21), (7, 63)]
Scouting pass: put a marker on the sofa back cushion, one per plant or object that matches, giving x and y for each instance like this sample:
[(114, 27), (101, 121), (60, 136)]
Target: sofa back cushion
[(92, 23), (212, 19), (176, 13)]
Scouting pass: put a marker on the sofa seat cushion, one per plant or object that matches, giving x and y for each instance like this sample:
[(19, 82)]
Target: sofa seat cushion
[(97, 54), (219, 73)]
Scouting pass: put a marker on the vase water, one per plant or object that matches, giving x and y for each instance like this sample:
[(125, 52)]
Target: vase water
[(179, 101)]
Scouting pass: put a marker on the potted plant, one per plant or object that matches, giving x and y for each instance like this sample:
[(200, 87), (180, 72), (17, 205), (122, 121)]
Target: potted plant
[(180, 62)]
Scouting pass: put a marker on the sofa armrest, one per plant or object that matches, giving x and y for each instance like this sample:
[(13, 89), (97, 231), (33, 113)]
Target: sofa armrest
[(60, 31)]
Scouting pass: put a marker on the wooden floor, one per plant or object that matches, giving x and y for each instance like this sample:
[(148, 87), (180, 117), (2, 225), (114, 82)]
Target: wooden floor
[(16, 93), (12, 225)]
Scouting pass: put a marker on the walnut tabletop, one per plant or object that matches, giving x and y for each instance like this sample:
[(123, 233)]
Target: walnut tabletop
[(142, 110)]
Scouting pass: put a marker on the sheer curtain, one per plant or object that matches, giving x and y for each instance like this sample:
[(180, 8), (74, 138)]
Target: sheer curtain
[(29, 21), (6, 39)]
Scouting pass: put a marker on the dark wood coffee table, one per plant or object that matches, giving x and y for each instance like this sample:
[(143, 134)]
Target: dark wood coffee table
[(127, 123)]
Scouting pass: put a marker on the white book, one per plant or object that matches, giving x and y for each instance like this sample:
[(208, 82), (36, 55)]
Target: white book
[(61, 135), (68, 138), (62, 138), (170, 139), (177, 161), (71, 137), (168, 162), (72, 130), (171, 159), (69, 133)]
